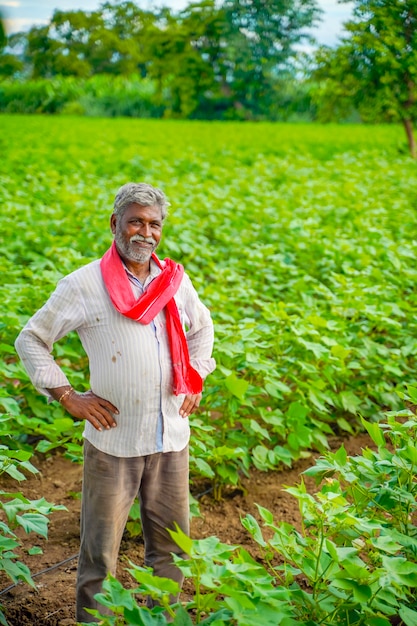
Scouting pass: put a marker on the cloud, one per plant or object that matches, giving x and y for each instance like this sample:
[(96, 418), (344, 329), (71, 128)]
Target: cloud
[(329, 30), (18, 24)]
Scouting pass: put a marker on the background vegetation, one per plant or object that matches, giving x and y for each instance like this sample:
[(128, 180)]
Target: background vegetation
[(299, 238), (251, 60)]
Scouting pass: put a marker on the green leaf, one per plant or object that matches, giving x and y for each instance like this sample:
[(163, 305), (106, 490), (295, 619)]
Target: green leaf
[(400, 570), (252, 526), (33, 522), (16, 571), (361, 593), (266, 515), (136, 615), (276, 388), (375, 432), (116, 594), (14, 472), (332, 550), (385, 543), (182, 540), (344, 425), (297, 411), (341, 456), (155, 586), (10, 405), (412, 392), (7, 543), (237, 386), (340, 352), (408, 616), (350, 401), (203, 467)]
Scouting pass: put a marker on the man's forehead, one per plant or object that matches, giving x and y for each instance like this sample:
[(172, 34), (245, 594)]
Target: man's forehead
[(152, 211)]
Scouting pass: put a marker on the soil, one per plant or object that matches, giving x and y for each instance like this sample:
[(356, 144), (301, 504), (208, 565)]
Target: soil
[(52, 603)]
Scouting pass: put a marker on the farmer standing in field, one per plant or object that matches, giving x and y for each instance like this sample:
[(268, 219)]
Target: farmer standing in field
[(149, 341)]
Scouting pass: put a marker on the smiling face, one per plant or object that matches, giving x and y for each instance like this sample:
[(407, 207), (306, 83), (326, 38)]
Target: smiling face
[(137, 232)]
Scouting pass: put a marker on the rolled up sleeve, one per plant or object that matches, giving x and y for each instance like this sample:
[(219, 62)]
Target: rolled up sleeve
[(61, 314)]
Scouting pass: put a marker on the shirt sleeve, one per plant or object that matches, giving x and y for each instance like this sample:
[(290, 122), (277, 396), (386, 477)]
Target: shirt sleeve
[(200, 331), (61, 314)]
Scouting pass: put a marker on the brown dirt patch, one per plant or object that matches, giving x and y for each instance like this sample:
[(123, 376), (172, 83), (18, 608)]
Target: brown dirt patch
[(52, 603)]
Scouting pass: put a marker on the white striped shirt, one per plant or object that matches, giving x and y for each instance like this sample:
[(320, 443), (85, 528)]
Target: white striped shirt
[(130, 363)]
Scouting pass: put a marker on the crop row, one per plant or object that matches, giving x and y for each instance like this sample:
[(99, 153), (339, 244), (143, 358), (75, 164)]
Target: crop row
[(300, 240)]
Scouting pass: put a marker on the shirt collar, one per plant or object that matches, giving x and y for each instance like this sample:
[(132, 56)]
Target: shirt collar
[(154, 272)]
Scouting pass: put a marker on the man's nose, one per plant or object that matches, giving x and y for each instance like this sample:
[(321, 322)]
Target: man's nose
[(146, 230)]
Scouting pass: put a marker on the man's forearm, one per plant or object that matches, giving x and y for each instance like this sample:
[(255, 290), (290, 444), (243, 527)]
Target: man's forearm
[(44, 372)]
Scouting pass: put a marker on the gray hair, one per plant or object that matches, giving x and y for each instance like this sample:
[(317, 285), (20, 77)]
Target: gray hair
[(140, 193)]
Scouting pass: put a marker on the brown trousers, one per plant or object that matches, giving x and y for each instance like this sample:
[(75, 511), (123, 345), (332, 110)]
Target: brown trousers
[(110, 485)]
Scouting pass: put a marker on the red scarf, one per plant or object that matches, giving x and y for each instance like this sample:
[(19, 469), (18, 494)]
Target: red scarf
[(159, 294)]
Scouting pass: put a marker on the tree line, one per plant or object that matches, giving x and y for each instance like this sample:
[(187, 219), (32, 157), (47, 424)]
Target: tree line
[(238, 59)]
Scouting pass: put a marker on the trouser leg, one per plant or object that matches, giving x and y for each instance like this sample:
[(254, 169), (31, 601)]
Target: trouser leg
[(164, 499), (110, 485)]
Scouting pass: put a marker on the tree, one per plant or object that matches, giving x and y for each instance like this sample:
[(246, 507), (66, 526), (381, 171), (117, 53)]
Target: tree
[(77, 43), (9, 64), (3, 37), (230, 59), (133, 28), (186, 54), (263, 41), (374, 69)]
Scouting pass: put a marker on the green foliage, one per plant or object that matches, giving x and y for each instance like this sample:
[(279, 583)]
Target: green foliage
[(134, 524), (298, 238), (30, 515), (224, 61), (262, 44), (374, 69), (99, 96), (354, 562), (3, 37)]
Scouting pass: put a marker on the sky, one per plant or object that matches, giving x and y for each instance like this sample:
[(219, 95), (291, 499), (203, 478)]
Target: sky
[(23, 14)]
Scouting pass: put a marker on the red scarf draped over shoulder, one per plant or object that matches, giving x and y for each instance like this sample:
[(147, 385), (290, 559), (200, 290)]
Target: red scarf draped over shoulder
[(159, 294)]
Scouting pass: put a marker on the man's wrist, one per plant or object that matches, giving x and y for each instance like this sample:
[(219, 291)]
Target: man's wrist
[(68, 392)]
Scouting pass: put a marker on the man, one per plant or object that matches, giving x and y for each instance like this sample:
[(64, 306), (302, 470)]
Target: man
[(149, 341)]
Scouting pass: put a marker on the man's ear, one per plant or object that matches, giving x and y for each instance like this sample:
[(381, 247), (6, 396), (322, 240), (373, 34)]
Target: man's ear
[(113, 220)]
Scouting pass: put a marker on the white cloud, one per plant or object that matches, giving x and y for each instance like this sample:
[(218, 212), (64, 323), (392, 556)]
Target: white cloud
[(9, 3), (334, 15), (18, 24)]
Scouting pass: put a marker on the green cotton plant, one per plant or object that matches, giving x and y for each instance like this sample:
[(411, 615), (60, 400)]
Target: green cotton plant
[(222, 465), (357, 550), (229, 582), (30, 515), (387, 488), (123, 604), (230, 588), (126, 609), (134, 523), (313, 302), (18, 430), (353, 561)]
